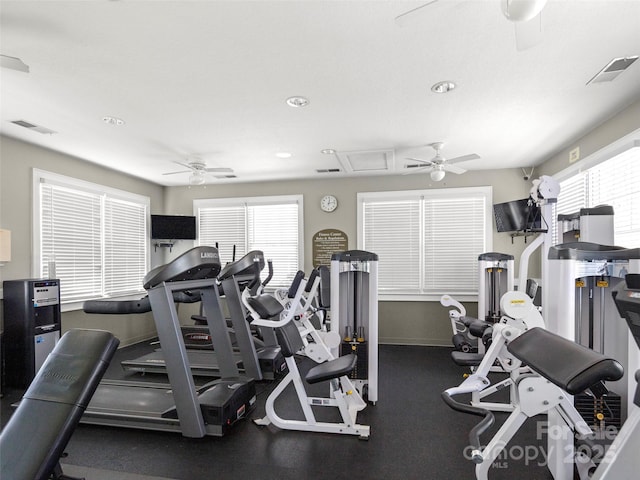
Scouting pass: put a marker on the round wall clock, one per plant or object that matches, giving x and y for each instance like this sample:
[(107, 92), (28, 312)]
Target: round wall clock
[(328, 203)]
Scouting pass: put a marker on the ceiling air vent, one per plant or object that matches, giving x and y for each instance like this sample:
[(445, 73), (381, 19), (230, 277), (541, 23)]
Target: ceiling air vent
[(327, 170), (35, 128), (367, 161), (614, 68)]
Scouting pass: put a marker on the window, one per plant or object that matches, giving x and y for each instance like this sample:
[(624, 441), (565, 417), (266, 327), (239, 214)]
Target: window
[(427, 241), (93, 238), (270, 224), (615, 182)]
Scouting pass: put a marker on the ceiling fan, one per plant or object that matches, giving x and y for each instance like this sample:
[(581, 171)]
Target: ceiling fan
[(525, 15), (198, 170), (438, 165)]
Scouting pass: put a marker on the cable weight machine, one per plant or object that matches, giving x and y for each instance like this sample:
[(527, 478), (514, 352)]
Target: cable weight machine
[(354, 315)]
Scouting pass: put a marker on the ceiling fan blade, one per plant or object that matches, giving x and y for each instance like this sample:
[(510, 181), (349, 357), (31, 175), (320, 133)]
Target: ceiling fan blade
[(464, 158), (186, 165), (426, 162), (529, 33), (410, 15), (412, 170), (219, 170), (453, 168), (174, 173)]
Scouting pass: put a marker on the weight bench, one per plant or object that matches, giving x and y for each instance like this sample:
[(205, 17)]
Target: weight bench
[(37, 433)]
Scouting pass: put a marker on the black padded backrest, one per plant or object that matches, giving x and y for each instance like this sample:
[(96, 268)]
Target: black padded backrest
[(312, 278), (289, 339), (324, 291), (266, 306), (295, 284), (38, 431), (571, 366)]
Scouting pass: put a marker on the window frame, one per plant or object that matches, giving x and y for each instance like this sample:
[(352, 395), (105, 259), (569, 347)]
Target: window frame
[(43, 176), (440, 193), (616, 148), (297, 199)]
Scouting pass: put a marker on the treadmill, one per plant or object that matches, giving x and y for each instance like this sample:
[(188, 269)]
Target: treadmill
[(260, 363), (179, 406)]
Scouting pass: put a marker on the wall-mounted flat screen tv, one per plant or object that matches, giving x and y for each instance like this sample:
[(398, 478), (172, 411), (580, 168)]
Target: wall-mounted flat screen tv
[(517, 216), (173, 227)]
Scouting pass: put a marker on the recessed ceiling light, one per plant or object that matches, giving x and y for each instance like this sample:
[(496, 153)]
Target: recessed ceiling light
[(283, 155), (297, 102), (328, 151), (113, 120), (443, 87)]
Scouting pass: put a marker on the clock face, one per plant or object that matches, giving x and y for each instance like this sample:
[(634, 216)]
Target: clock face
[(328, 203)]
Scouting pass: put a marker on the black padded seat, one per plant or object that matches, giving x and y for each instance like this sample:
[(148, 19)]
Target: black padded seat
[(478, 328), (570, 366), (467, 359), (291, 342), (35, 436), (332, 369), (265, 305)]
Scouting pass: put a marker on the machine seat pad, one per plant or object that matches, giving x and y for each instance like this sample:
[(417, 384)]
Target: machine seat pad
[(467, 359), (466, 321), (266, 306), (567, 364), (332, 369), (479, 327)]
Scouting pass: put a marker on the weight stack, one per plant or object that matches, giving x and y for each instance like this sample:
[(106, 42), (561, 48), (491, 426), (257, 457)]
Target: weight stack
[(361, 351), (609, 408)]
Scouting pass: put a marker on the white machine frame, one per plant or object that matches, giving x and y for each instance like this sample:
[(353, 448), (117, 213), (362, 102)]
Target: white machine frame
[(339, 316)]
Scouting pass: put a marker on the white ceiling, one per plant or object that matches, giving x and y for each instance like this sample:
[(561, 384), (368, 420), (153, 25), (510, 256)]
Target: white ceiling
[(210, 78)]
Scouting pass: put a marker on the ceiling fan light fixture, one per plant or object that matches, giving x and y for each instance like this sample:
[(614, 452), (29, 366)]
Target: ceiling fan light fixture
[(443, 87), (196, 179), (437, 174)]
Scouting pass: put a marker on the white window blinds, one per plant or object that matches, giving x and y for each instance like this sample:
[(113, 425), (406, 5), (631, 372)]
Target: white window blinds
[(125, 246), (427, 242), (614, 182), (270, 224), (93, 240), (71, 247)]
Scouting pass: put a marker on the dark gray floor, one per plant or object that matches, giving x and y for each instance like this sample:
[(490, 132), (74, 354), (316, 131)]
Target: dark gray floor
[(414, 435)]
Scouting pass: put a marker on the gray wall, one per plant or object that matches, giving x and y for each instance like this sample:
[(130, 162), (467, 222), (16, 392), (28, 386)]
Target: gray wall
[(627, 121), (17, 161)]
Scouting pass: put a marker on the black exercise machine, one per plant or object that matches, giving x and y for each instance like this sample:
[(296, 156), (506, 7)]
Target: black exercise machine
[(38, 431), (180, 406)]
